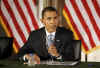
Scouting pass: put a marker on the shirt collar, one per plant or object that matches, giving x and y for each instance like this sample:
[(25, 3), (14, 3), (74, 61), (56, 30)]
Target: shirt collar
[(47, 33)]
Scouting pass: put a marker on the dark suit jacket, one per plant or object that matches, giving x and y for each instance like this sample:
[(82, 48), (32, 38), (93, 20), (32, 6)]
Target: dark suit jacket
[(37, 44)]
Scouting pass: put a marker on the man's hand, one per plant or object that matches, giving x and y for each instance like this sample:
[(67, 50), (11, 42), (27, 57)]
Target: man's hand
[(53, 51), (36, 58), (32, 58)]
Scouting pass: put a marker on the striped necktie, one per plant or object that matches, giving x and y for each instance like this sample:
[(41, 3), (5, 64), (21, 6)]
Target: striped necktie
[(50, 40)]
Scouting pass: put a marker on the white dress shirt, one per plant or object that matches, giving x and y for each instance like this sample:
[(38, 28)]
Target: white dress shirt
[(47, 34)]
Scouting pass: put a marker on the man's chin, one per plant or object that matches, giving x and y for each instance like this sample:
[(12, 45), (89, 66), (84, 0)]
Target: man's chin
[(52, 30)]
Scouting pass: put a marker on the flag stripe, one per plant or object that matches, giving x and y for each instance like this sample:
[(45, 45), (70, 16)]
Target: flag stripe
[(95, 15), (21, 3), (31, 15), (21, 19), (84, 16), (10, 31), (98, 2), (4, 27), (91, 18), (88, 22), (11, 25), (17, 45), (14, 20), (75, 27), (82, 21), (78, 24), (7, 31), (97, 19), (34, 1), (97, 8), (93, 11), (33, 6), (22, 15), (5, 21), (18, 18), (7, 16)]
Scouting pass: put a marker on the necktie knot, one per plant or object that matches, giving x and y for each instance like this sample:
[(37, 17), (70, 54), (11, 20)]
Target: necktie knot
[(50, 37)]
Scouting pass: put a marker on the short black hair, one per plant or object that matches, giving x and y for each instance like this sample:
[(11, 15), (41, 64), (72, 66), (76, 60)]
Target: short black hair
[(48, 9)]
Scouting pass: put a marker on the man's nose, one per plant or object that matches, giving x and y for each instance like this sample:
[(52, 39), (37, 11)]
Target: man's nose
[(52, 21)]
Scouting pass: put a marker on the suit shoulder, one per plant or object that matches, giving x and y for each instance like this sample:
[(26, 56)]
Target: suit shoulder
[(66, 33), (36, 33), (64, 30)]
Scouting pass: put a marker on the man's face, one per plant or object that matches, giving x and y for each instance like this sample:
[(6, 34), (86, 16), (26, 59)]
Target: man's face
[(50, 21)]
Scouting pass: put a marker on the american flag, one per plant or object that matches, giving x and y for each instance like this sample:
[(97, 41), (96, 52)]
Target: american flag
[(19, 18), (83, 17)]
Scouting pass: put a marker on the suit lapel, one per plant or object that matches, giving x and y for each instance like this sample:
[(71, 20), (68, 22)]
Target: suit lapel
[(58, 39), (43, 42), (59, 42)]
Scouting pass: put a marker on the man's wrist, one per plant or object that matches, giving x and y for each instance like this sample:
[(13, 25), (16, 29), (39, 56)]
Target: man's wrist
[(27, 56), (59, 57)]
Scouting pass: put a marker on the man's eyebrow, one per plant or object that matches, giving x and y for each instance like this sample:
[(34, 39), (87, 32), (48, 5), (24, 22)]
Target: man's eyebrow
[(49, 17)]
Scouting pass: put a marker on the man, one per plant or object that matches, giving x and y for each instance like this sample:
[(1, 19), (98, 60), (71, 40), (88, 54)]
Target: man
[(39, 48)]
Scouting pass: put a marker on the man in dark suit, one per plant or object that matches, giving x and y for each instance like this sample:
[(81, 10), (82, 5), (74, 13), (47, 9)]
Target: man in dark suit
[(37, 46)]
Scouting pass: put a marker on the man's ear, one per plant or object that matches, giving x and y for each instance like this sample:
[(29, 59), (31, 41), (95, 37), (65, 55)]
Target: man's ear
[(59, 18)]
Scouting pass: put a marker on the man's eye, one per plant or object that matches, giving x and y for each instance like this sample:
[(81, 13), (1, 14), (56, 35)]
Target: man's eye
[(55, 17), (49, 18)]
